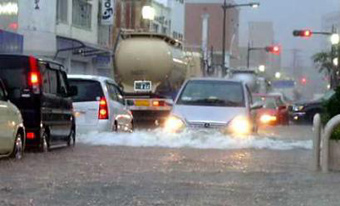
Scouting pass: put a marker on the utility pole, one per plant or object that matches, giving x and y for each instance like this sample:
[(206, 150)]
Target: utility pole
[(224, 7)]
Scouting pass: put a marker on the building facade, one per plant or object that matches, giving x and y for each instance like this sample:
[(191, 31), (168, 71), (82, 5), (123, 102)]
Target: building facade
[(177, 18), (204, 28), (261, 35), (69, 31)]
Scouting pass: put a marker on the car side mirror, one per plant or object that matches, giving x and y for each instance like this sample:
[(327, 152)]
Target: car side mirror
[(73, 91), (256, 106)]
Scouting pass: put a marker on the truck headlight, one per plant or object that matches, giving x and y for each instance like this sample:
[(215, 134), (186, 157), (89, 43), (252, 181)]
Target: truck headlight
[(174, 124), (240, 125)]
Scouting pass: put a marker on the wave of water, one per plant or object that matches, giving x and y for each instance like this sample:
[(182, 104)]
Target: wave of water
[(190, 139)]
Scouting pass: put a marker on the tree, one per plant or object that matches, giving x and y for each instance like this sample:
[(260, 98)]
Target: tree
[(324, 63)]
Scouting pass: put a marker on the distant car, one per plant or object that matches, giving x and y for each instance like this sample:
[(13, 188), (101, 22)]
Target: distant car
[(12, 131), (39, 88), (303, 112), (99, 105), (221, 104), (274, 110)]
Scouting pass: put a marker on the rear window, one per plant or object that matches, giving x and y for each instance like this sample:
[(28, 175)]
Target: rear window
[(13, 72), (88, 90)]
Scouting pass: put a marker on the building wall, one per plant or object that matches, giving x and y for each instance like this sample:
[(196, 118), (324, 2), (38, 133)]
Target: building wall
[(328, 21), (83, 34), (38, 26), (195, 11), (261, 35), (177, 18), (162, 21)]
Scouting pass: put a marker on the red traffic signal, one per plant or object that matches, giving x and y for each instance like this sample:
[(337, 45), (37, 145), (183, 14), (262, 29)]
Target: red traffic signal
[(303, 33), (274, 49), (303, 80)]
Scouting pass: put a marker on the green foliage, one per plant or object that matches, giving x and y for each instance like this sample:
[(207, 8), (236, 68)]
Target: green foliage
[(332, 108), (323, 61)]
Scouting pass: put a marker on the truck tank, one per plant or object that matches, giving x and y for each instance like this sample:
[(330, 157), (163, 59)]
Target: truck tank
[(149, 57)]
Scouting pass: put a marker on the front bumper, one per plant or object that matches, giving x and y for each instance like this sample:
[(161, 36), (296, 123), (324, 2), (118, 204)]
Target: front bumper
[(298, 116), (100, 126)]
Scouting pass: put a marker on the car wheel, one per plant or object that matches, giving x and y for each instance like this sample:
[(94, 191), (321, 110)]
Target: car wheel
[(18, 150), (72, 139), (44, 143)]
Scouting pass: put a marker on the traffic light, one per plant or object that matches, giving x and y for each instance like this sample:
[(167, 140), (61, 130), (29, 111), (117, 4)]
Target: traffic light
[(303, 80), (274, 49), (303, 33)]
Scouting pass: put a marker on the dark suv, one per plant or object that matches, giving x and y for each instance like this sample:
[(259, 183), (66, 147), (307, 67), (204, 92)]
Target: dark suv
[(40, 90)]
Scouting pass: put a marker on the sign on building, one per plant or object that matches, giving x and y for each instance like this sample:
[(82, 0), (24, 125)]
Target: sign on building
[(107, 12)]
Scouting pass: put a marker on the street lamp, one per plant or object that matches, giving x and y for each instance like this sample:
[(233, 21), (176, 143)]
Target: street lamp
[(336, 62), (262, 68), (277, 75), (148, 13), (226, 6), (335, 39)]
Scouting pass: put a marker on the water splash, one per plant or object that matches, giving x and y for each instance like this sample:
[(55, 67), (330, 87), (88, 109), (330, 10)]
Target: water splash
[(190, 139)]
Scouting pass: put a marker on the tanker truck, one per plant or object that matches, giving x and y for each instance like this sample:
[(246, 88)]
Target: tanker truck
[(255, 83), (150, 68)]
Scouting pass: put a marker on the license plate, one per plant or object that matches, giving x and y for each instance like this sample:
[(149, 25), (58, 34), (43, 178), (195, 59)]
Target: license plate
[(142, 103), (142, 86)]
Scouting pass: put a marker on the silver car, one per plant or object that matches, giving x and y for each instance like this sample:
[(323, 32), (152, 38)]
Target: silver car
[(220, 104)]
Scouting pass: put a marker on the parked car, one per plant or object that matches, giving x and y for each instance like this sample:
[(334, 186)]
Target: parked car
[(12, 131), (40, 89), (99, 105), (274, 110), (221, 104), (303, 112)]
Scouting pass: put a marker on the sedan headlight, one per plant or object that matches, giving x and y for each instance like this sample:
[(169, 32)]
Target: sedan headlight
[(240, 125), (266, 119), (174, 124), (297, 108)]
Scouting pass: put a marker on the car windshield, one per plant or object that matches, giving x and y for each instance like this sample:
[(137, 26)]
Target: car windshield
[(212, 93)]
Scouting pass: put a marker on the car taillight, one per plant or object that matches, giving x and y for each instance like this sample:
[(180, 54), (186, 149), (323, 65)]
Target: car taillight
[(103, 109), (157, 103), (34, 77), (30, 135)]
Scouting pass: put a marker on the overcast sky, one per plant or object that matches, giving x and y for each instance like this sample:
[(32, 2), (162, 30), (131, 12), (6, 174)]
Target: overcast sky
[(288, 15)]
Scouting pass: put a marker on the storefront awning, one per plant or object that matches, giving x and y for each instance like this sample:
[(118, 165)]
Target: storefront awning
[(77, 47)]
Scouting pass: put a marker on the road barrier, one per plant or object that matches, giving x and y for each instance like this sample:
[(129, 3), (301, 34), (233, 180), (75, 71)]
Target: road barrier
[(321, 156), (317, 126)]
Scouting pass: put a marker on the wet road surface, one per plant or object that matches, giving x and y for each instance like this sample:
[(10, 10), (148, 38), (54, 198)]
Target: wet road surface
[(182, 174)]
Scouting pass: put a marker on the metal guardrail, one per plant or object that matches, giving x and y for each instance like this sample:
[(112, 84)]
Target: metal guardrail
[(321, 154)]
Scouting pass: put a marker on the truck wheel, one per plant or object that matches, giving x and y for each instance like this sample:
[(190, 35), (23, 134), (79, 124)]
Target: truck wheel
[(18, 150)]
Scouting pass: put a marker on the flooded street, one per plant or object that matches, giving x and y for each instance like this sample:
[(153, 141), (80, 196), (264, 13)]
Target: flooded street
[(143, 169)]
